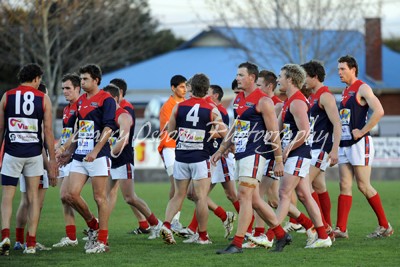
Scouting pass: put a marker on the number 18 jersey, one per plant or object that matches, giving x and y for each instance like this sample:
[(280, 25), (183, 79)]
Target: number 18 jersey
[(23, 117), (193, 118)]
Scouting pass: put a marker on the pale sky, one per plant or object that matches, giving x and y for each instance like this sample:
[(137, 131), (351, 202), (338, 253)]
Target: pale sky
[(187, 18)]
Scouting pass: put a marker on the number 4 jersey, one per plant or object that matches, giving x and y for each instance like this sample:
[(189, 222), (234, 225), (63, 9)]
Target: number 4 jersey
[(193, 118), (23, 117)]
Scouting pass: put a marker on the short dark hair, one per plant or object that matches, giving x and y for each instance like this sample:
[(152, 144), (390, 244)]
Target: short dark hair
[(177, 80), (200, 84), (93, 70), (350, 61), (42, 88), (217, 90), (121, 84), (315, 68), (252, 69), (29, 72), (112, 89), (234, 84), (73, 77), (269, 77)]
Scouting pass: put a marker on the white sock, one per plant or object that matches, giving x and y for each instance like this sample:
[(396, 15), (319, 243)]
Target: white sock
[(177, 216)]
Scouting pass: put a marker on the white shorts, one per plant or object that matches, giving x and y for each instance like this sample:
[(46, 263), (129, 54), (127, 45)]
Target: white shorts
[(359, 154), (194, 171), (64, 171), (99, 167), (224, 171), (250, 167), (297, 166), (44, 182), (319, 159), (29, 167), (168, 157), (124, 172), (269, 169)]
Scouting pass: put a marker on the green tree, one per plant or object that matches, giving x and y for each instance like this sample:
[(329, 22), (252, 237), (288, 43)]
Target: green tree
[(393, 43), (62, 35)]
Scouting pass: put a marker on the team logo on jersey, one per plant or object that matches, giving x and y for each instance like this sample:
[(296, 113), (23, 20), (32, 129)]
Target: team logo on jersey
[(345, 115), (23, 138), (65, 134), (86, 129), (22, 125), (249, 104), (191, 135), (94, 104)]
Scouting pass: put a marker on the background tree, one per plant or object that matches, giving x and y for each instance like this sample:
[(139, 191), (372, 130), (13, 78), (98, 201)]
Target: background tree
[(62, 35), (306, 20)]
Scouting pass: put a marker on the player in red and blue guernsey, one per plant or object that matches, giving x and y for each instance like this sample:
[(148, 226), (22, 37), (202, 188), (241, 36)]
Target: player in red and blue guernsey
[(122, 165), (71, 87), (325, 132), (91, 156), (294, 119), (356, 150), (222, 173), (191, 123), (269, 184), (25, 114), (255, 122), (144, 226)]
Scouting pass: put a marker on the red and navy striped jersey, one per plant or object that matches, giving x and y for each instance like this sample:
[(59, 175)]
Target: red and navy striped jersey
[(352, 114), (250, 127), (94, 114), (193, 123), (23, 118), (290, 128), (321, 128)]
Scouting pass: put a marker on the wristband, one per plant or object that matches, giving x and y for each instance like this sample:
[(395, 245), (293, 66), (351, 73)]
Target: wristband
[(278, 159)]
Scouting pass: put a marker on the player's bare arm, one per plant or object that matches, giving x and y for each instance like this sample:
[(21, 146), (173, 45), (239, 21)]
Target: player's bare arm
[(365, 95), (266, 107), (328, 103)]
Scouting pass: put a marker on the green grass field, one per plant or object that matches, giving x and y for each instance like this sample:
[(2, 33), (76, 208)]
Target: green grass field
[(130, 250)]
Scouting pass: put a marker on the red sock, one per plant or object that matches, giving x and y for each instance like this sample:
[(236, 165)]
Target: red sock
[(203, 235), (304, 221), (236, 204), (325, 202), (279, 232), (315, 197), (5, 233), (19, 235), (238, 241), (167, 224), (30, 241), (344, 206), (152, 220), (71, 231), (321, 231), (376, 205), (194, 223), (250, 228), (93, 223), (144, 224), (293, 220), (102, 236), (270, 234), (258, 231), (221, 213)]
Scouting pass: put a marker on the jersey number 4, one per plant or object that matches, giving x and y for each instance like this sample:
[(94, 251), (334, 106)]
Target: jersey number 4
[(27, 106), (193, 115)]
